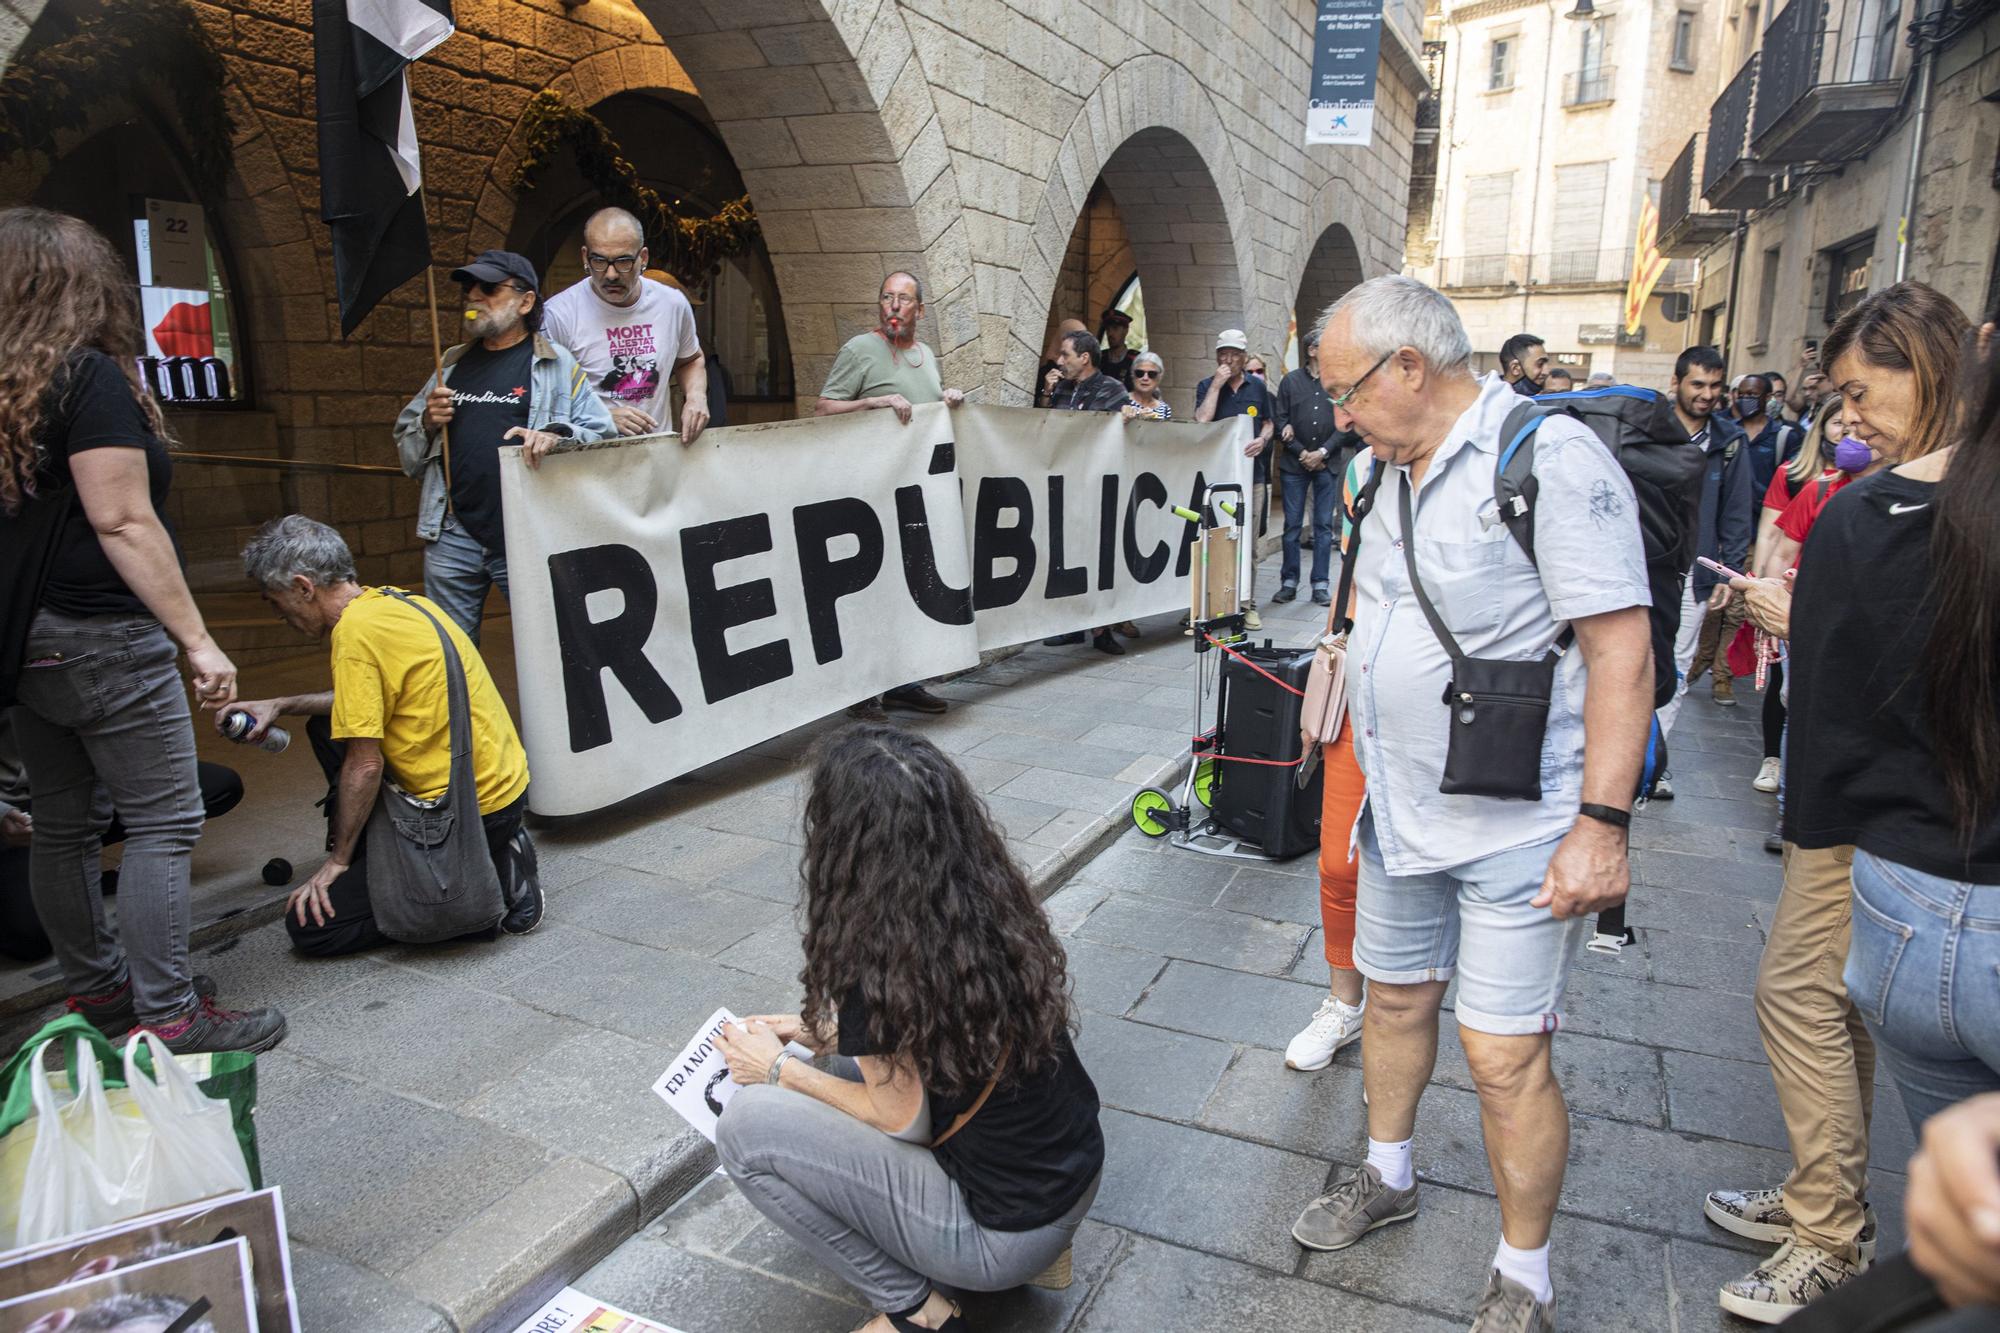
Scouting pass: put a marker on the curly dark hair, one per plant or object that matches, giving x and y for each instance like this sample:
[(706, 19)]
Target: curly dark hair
[(912, 897)]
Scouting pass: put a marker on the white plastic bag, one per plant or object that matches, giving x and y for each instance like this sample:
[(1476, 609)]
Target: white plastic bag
[(101, 1158)]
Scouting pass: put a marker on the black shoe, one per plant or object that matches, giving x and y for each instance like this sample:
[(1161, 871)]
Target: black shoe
[(1663, 786), (1321, 597), (1063, 640), (113, 1014), (208, 1027), (1774, 842), (868, 710), (525, 912), (1106, 642), (915, 698), (1285, 594)]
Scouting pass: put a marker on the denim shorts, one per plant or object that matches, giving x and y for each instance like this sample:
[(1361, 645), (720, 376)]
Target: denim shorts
[(1472, 922)]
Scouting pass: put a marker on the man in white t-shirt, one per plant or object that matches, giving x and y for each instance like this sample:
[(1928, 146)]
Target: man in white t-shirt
[(626, 329)]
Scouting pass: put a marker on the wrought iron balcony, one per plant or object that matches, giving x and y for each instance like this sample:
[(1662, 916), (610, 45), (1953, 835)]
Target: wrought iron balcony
[(1687, 227), (1589, 87), (1482, 271), (1730, 178), (1832, 71), (1582, 267)]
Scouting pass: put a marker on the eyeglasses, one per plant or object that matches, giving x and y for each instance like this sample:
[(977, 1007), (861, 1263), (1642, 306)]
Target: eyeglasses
[(621, 263), (489, 288), (1344, 399), (1145, 374), (897, 300)]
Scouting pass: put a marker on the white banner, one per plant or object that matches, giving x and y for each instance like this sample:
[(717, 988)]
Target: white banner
[(675, 605)]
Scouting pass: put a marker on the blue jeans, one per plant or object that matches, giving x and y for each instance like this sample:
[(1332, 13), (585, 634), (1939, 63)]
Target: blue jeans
[(457, 573), (1321, 485), (103, 713), (1924, 969)]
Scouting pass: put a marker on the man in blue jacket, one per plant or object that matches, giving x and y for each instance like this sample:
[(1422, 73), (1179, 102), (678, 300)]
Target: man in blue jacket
[(506, 384), (1728, 515)]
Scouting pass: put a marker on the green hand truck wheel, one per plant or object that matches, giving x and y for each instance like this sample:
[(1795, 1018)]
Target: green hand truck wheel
[(1150, 810), (1204, 783)]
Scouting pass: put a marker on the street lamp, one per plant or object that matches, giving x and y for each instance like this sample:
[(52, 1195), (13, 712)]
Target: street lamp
[(1584, 10)]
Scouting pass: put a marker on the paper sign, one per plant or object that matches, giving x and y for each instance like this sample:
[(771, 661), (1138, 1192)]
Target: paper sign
[(697, 1083), (573, 1312), (177, 240)]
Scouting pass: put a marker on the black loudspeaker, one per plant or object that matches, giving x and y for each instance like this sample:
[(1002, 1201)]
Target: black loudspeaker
[(1263, 802)]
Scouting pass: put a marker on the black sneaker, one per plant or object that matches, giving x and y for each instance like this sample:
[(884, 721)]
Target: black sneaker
[(1107, 642), (1321, 597), (915, 698), (113, 1012), (209, 1027), (1064, 640), (525, 913), (868, 710), (1285, 594), (1774, 842)]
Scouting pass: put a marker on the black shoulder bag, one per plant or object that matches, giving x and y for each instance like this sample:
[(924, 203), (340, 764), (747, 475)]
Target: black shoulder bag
[(1499, 709)]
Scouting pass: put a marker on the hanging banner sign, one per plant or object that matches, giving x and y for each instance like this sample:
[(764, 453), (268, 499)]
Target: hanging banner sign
[(673, 605), (1347, 48)]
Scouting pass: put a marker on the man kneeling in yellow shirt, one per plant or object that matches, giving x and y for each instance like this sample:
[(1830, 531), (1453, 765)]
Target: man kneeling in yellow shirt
[(388, 712)]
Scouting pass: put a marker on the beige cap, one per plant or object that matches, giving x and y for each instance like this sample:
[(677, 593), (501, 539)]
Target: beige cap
[(1232, 338)]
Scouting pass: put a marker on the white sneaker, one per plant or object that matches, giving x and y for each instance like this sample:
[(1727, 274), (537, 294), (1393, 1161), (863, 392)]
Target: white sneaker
[(1767, 776), (1334, 1026)]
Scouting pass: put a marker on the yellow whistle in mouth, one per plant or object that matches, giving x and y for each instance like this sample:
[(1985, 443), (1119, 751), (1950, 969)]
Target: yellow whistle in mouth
[(472, 314)]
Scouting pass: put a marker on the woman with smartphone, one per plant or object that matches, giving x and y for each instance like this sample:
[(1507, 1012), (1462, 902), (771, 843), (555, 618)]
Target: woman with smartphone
[(1892, 817)]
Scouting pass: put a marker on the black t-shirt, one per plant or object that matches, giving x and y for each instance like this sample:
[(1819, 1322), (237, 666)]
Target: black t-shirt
[(89, 405), (1859, 766), (489, 397), (1029, 1154)]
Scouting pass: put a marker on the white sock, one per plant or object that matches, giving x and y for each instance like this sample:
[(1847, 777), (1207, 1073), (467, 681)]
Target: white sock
[(1393, 1161), (1530, 1268)]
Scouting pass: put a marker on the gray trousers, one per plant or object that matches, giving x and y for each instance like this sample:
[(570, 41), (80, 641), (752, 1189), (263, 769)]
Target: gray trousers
[(879, 1212), (107, 713)]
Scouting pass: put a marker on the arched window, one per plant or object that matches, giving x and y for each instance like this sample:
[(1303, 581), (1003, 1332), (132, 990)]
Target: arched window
[(128, 182)]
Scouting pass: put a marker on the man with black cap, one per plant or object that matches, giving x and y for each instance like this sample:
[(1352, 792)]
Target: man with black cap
[(506, 384)]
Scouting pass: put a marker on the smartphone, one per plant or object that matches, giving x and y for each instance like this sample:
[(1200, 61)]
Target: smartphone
[(1719, 567)]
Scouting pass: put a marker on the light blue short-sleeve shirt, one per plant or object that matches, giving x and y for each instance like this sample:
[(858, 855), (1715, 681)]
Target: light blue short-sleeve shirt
[(1498, 604)]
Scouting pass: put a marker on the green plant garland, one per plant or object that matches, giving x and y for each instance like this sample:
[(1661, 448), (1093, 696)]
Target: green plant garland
[(690, 248), (54, 88)]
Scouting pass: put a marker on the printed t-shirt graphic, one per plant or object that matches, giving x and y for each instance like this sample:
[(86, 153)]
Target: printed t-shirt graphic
[(628, 352), (489, 397)]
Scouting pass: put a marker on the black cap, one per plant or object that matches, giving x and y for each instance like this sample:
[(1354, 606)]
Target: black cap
[(499, 266)]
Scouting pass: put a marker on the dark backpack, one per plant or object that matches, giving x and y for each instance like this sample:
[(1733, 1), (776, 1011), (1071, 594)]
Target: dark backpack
[(1664, 466)]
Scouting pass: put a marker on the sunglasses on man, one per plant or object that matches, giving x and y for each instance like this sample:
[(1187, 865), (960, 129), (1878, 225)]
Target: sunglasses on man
[(489, 288)]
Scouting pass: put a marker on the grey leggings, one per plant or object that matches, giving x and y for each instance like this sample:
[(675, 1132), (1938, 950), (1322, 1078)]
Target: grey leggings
[(879, 1212)]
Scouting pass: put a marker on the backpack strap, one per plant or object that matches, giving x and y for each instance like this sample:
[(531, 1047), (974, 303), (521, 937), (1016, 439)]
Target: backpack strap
[(1337, 621), (1514, 485)]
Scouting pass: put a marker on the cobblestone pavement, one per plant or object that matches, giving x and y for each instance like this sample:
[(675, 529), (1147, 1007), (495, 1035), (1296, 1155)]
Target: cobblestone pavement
[(1192, 973)]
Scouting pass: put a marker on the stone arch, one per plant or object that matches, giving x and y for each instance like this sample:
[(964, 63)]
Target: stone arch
[(1333, 267), (1156, 138)]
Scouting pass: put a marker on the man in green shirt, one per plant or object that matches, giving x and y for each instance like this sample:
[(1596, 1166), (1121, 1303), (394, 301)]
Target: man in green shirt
[(887, 367)]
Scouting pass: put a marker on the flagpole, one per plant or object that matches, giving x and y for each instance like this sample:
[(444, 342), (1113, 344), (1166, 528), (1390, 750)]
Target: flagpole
[(437, 364)]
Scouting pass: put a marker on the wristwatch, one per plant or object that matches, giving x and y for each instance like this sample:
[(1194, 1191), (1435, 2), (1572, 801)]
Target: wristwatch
[(1606, 814)]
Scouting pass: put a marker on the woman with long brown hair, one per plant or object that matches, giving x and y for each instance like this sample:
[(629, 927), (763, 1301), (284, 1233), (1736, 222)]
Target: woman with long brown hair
[(956, 1139), (84, 471), (1860, 782)]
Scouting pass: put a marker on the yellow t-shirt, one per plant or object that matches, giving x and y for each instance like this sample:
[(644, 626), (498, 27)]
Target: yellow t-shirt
[(389, 684)]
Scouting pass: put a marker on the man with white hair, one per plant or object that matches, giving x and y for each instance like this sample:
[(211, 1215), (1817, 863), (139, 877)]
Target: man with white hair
[(1493, 830)]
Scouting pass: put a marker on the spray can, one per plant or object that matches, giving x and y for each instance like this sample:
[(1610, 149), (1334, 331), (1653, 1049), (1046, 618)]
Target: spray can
[(237, 726)]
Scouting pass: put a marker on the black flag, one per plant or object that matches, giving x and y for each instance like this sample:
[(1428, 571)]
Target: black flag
[(369, 171)]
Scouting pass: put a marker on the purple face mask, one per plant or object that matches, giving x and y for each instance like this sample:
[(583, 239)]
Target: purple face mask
[(1851, 455)]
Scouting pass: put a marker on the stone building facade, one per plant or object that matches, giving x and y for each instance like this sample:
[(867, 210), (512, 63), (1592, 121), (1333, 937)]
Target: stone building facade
[(1554, 127), (1793, 197), (965, 140)]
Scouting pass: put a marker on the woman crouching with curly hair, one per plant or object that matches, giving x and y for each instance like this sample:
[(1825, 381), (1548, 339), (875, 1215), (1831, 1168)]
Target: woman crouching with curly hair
[(956, 1138)]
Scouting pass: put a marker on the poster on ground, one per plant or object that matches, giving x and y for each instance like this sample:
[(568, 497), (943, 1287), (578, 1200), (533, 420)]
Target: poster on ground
[(573, 1312), (1347, 47), (674, 604), (213, 1280)]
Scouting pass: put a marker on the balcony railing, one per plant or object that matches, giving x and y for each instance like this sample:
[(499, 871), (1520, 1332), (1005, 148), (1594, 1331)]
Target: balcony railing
[(1831, 72), (1483, 271), (1730, 178), (1429, 111), (1687, 226), (1582, 266), (1588, 87)]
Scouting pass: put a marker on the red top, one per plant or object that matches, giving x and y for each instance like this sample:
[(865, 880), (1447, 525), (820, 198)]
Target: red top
[(1779, 494), (1802, 513)]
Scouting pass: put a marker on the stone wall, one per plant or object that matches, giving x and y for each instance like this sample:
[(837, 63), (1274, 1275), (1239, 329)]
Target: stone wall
[(958, 140)]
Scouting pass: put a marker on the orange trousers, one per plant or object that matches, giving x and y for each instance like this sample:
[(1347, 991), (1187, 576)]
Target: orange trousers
[(1343, 791)]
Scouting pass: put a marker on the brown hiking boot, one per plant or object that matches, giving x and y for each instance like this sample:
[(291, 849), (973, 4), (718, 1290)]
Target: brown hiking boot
[(1723, 691)]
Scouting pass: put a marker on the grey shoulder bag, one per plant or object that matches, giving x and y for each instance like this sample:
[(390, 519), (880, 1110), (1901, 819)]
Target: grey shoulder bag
[(1499, 709), (430, 875)]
